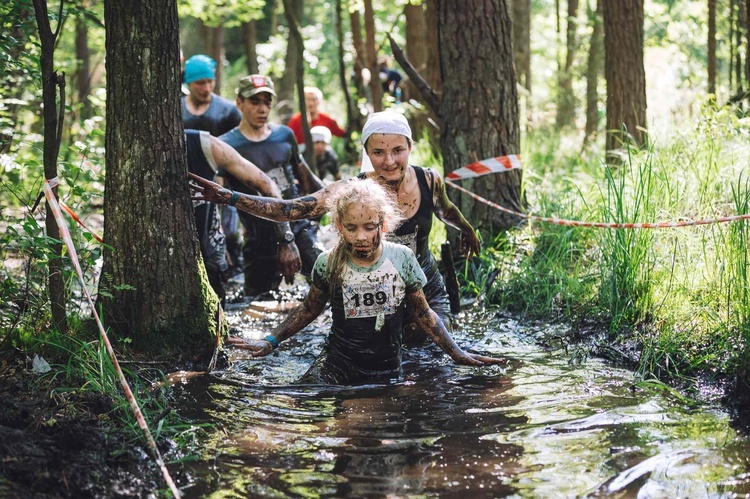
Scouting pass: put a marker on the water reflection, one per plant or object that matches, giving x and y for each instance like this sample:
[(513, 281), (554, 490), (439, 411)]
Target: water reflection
[(539, 427)]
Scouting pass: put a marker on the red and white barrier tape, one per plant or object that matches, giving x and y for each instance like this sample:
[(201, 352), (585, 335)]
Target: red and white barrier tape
[(491, 165), (601, 225), (65, 234)]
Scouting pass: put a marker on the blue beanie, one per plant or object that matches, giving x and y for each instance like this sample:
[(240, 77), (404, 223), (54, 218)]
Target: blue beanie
[(200, 67)]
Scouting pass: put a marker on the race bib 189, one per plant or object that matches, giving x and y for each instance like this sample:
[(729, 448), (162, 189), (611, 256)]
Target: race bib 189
[(368, 299)]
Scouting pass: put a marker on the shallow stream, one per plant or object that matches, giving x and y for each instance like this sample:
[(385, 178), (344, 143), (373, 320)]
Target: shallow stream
[(541, 426)]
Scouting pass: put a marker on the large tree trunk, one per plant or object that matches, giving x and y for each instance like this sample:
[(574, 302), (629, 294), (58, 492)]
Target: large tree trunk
[(480, 105), (372, 58), (521, 18), (157, 289), (626, 77), (53, 123), (594, 68), (250, 42), (285, 89), (566, 101), (712, 47)]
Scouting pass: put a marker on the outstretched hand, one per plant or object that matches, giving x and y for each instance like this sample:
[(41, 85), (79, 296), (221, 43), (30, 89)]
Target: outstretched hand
[(206, 190), (259, 348), (470, 244), (473, 359)]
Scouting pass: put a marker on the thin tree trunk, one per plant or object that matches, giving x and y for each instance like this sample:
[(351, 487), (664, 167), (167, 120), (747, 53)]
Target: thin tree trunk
[(521, 18), (299, 72), (746, 22), (83, 68), (730, 66), (157, 291), (352, 113), (285, 89), (480, 120), (416, 49), (416, 52), (360, 52), (566, 98), (434, 73), (217, 54), (626, 77), (594, 69), (250, 41), (372, 58), (712, 47), (738, 44), (53, 123)]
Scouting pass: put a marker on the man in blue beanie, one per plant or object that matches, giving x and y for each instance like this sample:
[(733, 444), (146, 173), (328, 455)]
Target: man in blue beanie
[(202, 109)]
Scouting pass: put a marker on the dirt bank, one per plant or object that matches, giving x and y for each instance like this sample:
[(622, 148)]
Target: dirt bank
[(64, 444)]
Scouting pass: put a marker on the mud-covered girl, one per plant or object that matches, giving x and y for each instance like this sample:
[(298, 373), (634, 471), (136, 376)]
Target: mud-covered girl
[(371, 284)]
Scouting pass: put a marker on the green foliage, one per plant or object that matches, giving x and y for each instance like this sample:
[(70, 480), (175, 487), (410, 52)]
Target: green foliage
[(682, 293), (227, 13)]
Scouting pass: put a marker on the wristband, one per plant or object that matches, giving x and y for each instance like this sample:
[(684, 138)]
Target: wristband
[(273, 341), (235, 197)]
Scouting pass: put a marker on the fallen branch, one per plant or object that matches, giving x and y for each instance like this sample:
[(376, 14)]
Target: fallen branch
[(430, 97)]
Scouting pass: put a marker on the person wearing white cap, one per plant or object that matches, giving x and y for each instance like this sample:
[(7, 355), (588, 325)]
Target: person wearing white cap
[(387, 142), (326, 158)]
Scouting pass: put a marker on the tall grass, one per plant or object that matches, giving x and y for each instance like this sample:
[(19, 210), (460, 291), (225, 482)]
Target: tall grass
[(682, 294)]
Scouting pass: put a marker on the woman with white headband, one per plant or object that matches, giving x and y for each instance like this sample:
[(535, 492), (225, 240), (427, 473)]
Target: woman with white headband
[(387, 143)]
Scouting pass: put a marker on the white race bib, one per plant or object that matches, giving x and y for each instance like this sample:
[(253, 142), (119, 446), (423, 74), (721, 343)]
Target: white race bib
[(368, 295), (278, 176)]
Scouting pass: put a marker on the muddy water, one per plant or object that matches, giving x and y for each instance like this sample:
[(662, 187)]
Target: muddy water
[(538, 427)]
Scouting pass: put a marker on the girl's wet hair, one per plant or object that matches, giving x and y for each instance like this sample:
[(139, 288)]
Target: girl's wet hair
[(369, 193), (361, 192)]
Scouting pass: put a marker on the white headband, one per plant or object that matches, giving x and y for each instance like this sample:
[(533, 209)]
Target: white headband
[(383, 122)]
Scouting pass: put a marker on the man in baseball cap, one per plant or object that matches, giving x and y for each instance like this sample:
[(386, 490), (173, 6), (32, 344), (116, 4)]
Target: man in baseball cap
[(273, 149), (255, 84)]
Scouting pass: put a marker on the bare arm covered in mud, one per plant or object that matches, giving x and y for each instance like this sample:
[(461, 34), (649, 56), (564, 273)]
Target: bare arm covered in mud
[(277, 210), (428, 321), (225, 156), (449, 214), (297, 319)]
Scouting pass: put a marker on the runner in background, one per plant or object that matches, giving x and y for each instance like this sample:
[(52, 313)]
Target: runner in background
[(202, 109), (315, 117), (326, 159)]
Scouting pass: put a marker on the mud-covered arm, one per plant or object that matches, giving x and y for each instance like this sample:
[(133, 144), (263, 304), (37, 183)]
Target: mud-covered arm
[(428, 321), (277, 210), (449, 214), (297, 319)]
